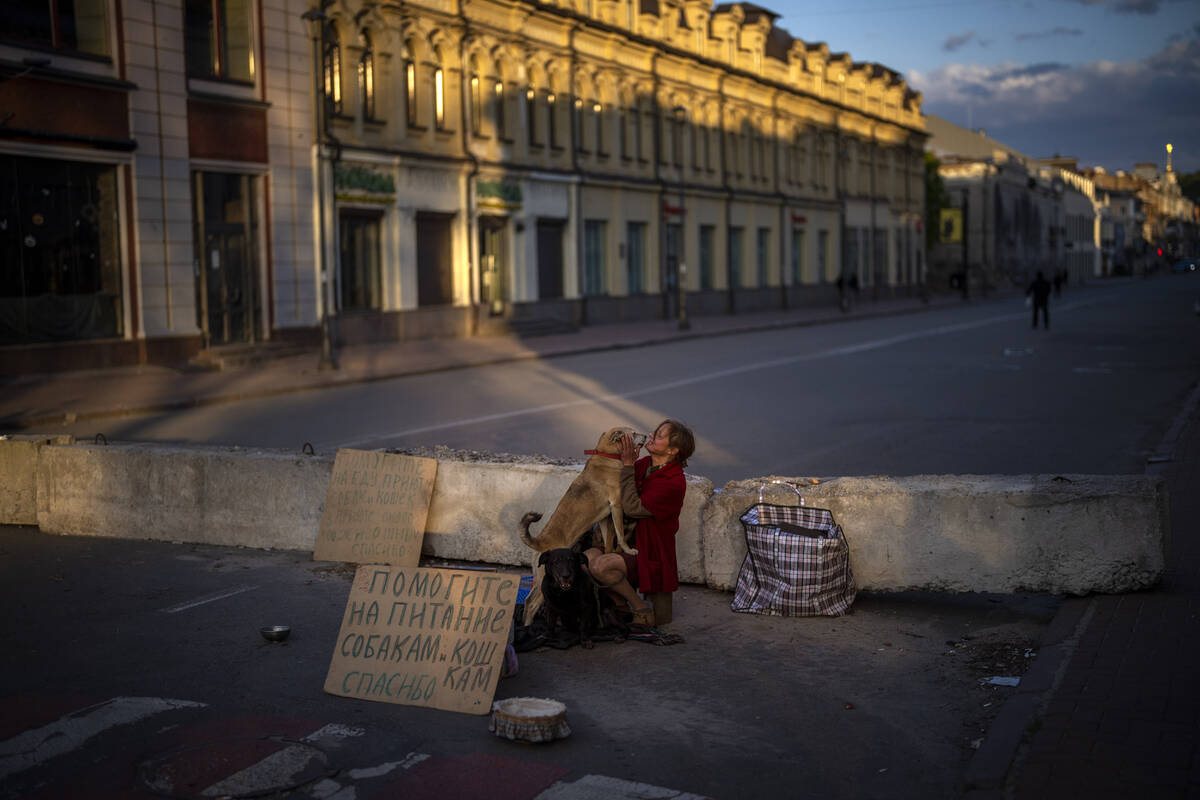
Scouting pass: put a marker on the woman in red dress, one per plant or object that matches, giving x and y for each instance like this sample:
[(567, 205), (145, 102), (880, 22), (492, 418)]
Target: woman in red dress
[(652, 491)]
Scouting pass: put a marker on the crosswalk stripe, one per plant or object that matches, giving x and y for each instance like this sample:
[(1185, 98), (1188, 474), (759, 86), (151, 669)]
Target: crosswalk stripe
[(69, 732), (330, 789), (277, 771), (281, 767), (602, 787)]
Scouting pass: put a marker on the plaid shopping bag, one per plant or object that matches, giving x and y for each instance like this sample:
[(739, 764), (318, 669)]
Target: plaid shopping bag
[(797, 562)]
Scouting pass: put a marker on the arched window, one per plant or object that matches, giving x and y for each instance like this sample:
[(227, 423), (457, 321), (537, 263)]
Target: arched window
[(531, 116), (598, 115), (677, 123), (577, 123), (439, 98), (333, 70), (366, 77), (636, 111), (709, 133), (410, 86), (623, 132), (476, 99), (694, 132), (500, 105), (762, 157)]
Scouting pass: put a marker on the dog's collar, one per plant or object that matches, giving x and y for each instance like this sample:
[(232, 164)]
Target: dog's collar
[(616, 456)]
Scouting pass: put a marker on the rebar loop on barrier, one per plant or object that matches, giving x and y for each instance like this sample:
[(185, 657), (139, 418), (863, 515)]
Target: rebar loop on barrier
[(308, 449), (100, 439)]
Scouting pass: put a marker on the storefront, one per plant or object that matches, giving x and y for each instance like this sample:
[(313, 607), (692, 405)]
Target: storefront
[(60, 251)]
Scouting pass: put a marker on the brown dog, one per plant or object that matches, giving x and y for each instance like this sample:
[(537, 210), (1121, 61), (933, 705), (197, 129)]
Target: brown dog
[(594, 496)]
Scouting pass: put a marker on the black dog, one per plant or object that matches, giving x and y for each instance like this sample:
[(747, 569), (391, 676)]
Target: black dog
[(571, 596)]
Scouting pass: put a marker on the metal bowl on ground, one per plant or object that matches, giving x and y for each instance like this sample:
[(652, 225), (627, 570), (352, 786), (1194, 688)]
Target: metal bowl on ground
[(275, 633)]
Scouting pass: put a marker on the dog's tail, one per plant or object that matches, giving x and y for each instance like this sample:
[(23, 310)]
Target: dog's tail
[(527, 520)]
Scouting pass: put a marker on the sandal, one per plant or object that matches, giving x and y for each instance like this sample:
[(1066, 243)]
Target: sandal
[(644, 616)]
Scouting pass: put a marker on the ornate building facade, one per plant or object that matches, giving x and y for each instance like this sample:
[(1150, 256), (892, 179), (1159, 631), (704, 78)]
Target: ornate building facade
[(587, 161), (248, 170)]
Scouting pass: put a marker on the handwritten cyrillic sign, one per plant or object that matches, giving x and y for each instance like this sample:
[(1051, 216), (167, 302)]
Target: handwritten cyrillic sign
[(424, 637), (375, 508)]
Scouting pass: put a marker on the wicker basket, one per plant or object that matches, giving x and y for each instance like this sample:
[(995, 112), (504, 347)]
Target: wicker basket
[(529, 719)]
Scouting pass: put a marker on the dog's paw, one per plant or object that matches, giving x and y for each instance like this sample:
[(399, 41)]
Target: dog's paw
[(588, 644), (630, 550)]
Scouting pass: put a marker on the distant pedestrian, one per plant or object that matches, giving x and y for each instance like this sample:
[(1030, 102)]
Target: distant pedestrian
[(1040, 290), (854, 287), (841, 286)]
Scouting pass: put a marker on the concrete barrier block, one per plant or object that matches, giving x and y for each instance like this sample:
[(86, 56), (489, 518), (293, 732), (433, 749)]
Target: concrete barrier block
[(477, 506), (1071, 534), (1064, 534), (18, 475), (247, 497)]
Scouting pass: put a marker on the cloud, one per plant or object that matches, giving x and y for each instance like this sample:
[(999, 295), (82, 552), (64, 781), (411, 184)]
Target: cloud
[(1183, 36), (1055, 31), (1112, 113), (1145, 7), (953, 43), (1008, 73), (1135, 6)]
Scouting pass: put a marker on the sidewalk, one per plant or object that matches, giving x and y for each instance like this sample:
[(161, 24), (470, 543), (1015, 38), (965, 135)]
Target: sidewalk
[(28, 401), (1111, 708)]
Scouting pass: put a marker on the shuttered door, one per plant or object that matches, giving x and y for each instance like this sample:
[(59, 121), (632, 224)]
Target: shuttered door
[(435, 277), (550, 258)]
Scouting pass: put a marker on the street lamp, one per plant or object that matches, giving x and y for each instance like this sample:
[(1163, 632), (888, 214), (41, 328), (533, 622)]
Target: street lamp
[(316, 19), (684, 325)]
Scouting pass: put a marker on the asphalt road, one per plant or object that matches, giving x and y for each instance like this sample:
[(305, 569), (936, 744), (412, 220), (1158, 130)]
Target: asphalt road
[(964, 390), (135, 669)]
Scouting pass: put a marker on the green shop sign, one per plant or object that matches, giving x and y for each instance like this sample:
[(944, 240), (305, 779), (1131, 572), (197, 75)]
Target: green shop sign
[(362, 179), (498, 193)]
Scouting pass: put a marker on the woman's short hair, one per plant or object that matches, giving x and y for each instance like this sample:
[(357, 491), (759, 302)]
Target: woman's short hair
[(681, 438)]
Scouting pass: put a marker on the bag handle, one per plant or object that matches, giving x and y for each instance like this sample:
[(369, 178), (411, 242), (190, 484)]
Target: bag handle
[(791, 486)]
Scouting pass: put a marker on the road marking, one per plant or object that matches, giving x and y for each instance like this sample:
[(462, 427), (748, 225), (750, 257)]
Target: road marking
[(69, 732), (410, 761), (834, 352), (278, 772), (211, 598), (329, 789), (601, 787)]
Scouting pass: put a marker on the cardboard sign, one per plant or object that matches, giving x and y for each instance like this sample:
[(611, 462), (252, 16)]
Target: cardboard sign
[(375, 508), (424, 637)]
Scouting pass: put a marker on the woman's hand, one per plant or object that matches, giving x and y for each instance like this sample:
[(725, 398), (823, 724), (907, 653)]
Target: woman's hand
[(628, 450)]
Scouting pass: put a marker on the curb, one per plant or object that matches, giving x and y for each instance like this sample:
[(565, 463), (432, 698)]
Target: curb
[(989, 767)]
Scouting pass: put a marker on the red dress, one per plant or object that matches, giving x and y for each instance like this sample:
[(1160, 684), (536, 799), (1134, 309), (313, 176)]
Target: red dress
[(662, 494)]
